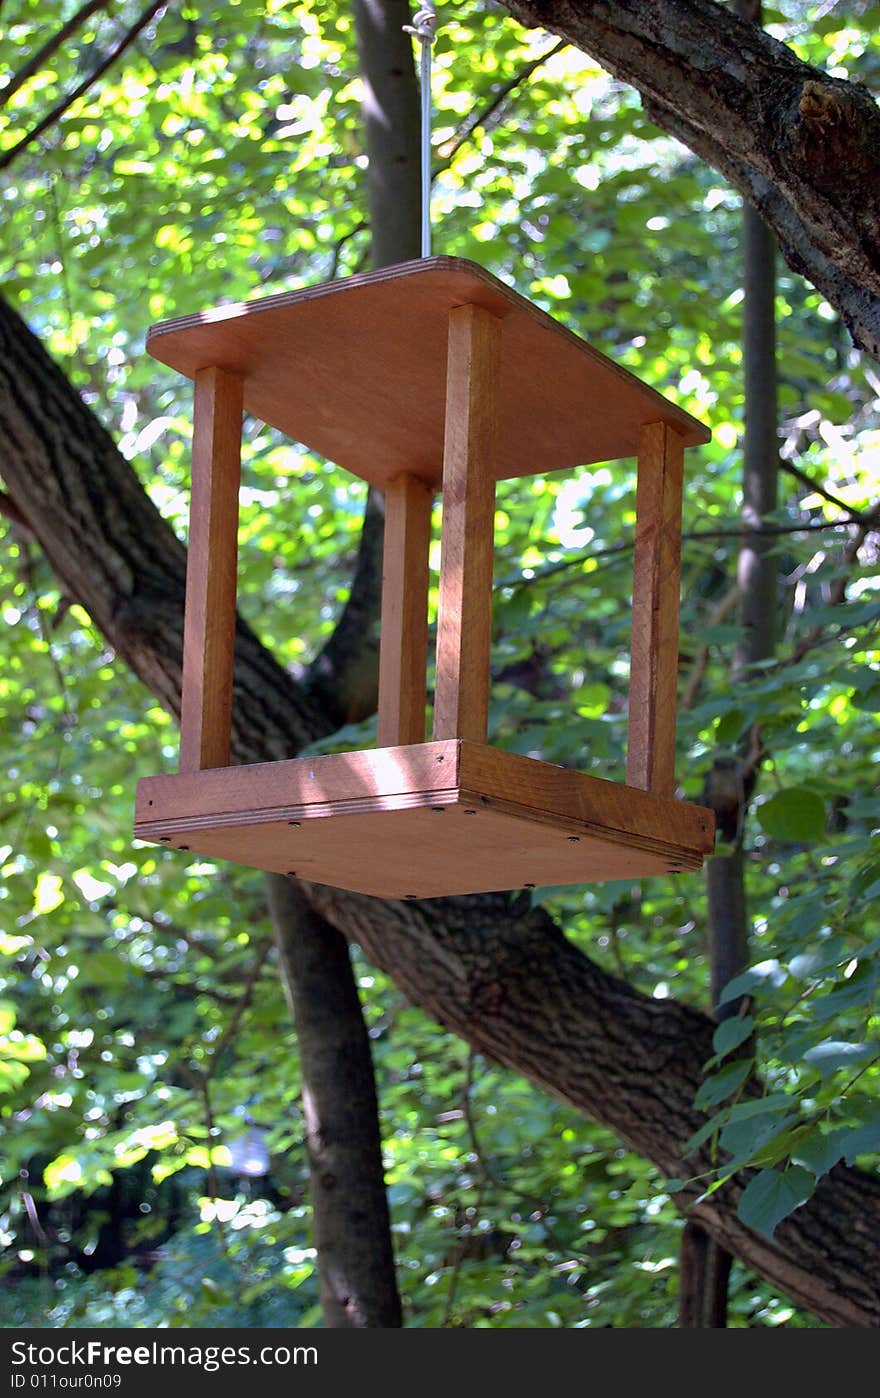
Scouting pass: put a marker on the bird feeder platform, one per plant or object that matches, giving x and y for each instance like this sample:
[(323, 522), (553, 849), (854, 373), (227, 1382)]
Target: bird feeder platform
[(424, 377)]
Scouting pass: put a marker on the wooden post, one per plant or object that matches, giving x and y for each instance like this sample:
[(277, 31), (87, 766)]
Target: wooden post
[(212, 564), (464, 621), (403, 649), (656, 576)]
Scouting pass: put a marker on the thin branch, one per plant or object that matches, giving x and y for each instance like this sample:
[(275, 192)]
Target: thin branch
[(736, 532), (482, 115), (243, 1002), (749, 531), (838, 590), (868, 517), (42, 56), (339, 245), (61, 107)]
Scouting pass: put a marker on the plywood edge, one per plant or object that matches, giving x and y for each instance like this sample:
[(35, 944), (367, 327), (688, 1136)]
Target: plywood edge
[(574, 829), (300, 782), (168, 340), (159, 342), (560, 792), (156, 827)]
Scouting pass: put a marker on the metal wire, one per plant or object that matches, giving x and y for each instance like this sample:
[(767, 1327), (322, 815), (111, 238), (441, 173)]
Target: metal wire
[(424, 27)]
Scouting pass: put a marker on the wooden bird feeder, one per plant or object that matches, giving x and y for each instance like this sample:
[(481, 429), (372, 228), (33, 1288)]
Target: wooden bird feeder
[(428, 376)]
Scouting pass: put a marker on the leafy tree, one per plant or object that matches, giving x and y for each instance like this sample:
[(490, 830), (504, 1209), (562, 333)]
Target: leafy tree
[(221, 152)]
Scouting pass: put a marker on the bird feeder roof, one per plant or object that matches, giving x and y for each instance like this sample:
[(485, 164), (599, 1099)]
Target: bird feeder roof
[(355, 369)]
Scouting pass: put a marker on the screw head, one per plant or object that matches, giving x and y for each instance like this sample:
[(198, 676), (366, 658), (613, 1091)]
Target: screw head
[(409, 897), (470, 812), (573, 839), (164, 839), (297, 823), (529, 885), (186, 847), (438, 809)]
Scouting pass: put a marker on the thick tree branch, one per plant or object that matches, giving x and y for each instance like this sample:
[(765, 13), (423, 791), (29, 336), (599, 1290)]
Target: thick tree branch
[(349, 1207), (802, 147)]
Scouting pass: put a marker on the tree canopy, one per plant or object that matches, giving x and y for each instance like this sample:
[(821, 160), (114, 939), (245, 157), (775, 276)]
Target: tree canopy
[(216, 153)]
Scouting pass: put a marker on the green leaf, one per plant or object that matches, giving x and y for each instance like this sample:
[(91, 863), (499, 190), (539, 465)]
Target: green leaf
[(861, 1140), (809, 965), (859, 989), (794, 815), (832, 1055), (744, 1138), (48, 894), (769, 971), (867, 699), (731, 1033), (724, 1084), (708, 1129), (772, 1195), (820, 1151), (757, 1106), (730, 726)]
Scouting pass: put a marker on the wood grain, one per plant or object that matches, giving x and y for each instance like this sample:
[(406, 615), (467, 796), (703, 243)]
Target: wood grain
[(403, 651), (355, 369), (464, 618), (279, 787), (424, 820), (656, 581), (447, 852), (211, 570), (532, 787)]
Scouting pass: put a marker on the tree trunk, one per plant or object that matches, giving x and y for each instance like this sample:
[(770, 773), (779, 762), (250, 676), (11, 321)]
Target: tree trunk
[(803, 148), (391, 123), (509, 983), (728, 923), (349, 1206)]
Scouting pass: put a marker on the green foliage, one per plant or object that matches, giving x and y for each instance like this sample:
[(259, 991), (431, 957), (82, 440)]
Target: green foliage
[(224, 157), (772, 1195)]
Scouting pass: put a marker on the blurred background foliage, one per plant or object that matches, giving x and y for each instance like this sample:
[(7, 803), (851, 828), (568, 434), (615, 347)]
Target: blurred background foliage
[(153, 1160)]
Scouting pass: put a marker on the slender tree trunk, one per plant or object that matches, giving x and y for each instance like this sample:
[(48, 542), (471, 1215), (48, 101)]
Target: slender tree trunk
[(349, 1205), (705, 1266), (391, 122)]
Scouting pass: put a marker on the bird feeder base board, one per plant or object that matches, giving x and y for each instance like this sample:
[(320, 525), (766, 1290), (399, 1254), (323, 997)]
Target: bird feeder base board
[(424, 821)]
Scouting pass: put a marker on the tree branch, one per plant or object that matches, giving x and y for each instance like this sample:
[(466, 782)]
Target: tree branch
[(868, 518), (802, 147), (81, 88), (43, 54), (481, 115)]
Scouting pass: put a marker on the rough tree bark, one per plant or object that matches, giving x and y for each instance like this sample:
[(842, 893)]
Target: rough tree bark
[(350, 1219), (505, 979), (802, 147), (352, 1229)]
